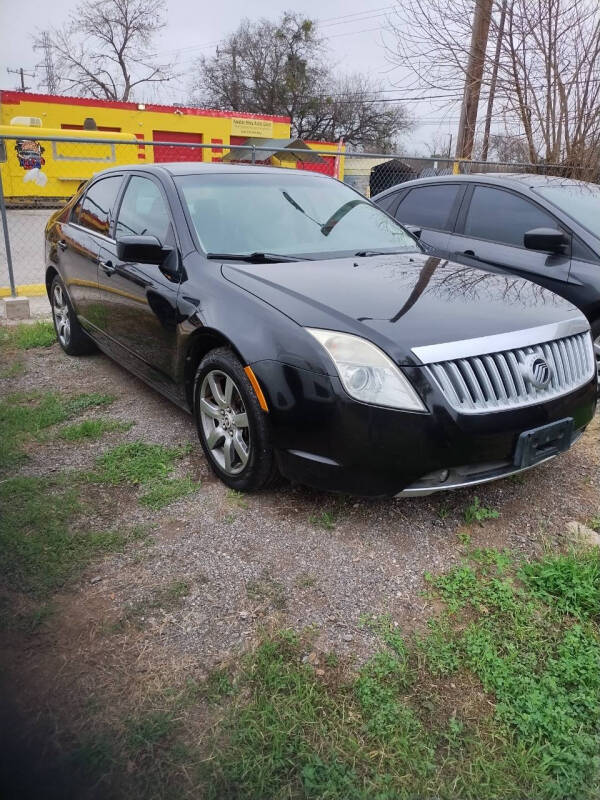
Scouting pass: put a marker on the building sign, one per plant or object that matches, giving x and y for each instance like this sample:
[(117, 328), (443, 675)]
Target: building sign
[(247, 126)]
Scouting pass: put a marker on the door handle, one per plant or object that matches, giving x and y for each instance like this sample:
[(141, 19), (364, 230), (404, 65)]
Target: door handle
[(62, 244), (468, 252), (106, 267)]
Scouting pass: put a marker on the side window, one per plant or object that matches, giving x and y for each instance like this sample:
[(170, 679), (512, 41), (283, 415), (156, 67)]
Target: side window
[(389, 202), (98, 205), (500, 216), (143, 211), (428, 206)]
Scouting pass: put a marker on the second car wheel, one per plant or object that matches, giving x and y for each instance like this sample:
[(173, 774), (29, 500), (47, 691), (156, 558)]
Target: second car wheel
[(232, 427), (71, 336)]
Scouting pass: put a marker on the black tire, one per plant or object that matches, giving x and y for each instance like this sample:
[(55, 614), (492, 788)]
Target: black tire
[(71, 336), (260, 470)]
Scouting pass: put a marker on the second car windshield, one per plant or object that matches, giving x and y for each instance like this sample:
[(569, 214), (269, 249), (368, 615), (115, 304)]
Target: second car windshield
[(291, 214), (581, 201)]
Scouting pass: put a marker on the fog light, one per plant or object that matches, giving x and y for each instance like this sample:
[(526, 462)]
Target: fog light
[(443, 475)]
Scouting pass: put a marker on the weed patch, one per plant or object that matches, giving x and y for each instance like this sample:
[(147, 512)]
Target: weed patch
[(137, 463), (42, 546), (478, 513), (92, 429), (28, 335), (27, 415), (163, 493), (390, 734)]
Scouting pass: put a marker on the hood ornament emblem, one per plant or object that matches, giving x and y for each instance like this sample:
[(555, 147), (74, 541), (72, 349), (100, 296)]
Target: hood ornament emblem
[(536, 371)]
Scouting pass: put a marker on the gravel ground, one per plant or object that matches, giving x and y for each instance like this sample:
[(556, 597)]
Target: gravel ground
[(263, 560)]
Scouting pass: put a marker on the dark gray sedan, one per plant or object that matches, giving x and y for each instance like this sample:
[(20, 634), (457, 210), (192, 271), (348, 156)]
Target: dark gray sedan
[(543, 228)]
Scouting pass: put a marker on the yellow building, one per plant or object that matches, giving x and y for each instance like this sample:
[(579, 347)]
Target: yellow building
[(30, 117)]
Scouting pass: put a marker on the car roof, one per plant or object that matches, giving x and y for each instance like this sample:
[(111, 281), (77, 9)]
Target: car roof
[(177, 168), (515, 179)]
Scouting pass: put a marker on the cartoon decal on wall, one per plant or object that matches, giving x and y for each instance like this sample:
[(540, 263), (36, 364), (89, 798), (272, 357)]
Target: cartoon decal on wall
[(29, 153)]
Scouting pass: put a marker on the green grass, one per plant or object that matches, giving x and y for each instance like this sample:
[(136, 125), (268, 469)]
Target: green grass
[(475, 512), (28, 335), (594, 522), (163, 493), (43, 545), (498, 699), (392, 732), (324, 519), (23, 416), (137, 463), (92, 429)]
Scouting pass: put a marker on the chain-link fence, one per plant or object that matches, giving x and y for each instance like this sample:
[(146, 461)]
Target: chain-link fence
[(38, 175)]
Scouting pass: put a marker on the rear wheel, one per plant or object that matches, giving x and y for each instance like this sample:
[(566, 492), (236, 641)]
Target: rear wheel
[(232, 427), (71, 336)]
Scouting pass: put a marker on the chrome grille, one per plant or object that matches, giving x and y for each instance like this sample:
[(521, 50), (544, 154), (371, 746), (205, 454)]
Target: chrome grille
[(498, 381)]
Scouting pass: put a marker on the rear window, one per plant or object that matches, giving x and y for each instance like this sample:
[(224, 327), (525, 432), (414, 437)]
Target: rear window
[(428, 206)]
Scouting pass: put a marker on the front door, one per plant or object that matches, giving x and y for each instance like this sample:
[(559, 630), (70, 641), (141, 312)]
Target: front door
[(492, 234), (140, 300)]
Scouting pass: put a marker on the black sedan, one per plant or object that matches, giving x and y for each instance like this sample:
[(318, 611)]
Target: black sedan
[(309, 334), (543, 228)]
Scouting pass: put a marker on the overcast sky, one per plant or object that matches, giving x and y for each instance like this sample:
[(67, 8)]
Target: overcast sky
[(354, 32)]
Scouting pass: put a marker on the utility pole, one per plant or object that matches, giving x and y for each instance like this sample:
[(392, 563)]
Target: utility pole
[(21, 72), (493, 82), (475, 65)]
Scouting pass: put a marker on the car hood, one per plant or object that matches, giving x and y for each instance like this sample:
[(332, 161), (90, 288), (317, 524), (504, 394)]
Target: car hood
[(401, 301)]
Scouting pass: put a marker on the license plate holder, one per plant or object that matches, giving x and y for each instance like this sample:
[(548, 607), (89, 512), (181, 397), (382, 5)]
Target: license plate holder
[(537, 444)]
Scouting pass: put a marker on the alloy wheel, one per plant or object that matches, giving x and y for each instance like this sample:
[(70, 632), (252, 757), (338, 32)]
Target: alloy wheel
[(61, 313), (224, 422)]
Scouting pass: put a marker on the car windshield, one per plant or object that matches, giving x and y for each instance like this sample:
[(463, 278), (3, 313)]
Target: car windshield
[(290, 214), (581, 201)]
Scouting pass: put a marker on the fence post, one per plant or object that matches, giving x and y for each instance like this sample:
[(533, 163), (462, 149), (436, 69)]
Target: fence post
[(11, 277), (253, 154)]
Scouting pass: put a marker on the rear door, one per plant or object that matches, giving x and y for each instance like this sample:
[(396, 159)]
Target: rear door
[(81, 238), (430, 212), (489, 234), (139, 300)]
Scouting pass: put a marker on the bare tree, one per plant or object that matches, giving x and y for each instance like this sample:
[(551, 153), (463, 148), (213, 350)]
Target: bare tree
[(105, 48), (545, 67), (279, 68)]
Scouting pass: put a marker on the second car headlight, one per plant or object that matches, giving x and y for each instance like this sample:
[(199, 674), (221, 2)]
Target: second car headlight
[(366, 372)]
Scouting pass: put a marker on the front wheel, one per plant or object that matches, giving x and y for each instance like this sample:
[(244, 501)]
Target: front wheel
[(71, 336), (232, 428)]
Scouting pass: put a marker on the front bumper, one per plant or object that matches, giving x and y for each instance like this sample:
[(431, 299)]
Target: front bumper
[(324, 438)]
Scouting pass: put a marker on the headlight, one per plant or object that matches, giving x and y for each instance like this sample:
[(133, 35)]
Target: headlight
[(366, 372)]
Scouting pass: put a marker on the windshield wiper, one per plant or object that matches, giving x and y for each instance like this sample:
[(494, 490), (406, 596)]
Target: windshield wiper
[(365, 253), (254, 258)]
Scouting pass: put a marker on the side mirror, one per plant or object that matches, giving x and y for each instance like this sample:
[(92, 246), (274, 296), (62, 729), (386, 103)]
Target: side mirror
[(142, 250), (546, 239)]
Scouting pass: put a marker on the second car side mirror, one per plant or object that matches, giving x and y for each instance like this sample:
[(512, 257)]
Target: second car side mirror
[(549, 240), (142, 250)]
